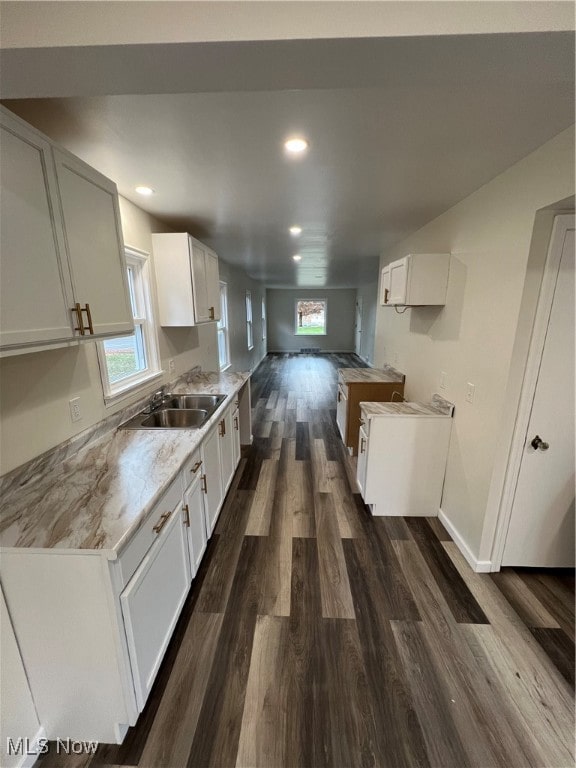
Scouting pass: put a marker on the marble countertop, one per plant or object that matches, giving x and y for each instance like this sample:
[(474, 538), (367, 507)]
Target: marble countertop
[(387, 374), (95, 492), (436, 407)]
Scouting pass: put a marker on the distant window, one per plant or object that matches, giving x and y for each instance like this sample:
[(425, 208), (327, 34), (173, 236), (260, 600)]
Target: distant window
[(311, 317), (126, 362), (263, 319), (249, 329), (222, 325)]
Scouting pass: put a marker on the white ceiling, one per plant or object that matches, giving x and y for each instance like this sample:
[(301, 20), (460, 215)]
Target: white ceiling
[(399, 129)]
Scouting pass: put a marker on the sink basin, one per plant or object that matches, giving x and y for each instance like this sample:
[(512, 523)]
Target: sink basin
[(175, 418), (206, 402)]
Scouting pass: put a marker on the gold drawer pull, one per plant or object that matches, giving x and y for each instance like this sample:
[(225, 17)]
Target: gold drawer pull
[(386, 292), (77, 309), (89, 316), (236, 423), (211, 310), (196, 467), (362, 444), (187, 518), (222, 426), (162, 522), (204, 483)]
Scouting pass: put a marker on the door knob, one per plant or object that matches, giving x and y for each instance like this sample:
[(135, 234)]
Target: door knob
[(539, 444)]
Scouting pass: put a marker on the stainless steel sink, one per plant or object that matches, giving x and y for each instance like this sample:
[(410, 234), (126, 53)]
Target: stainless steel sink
[(206, 402)]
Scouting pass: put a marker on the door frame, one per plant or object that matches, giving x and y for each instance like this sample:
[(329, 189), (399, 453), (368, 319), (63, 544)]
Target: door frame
[(562, 223)]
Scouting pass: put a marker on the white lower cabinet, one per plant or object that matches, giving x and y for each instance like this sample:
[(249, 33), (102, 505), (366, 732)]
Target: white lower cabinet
[(152, 601), (362, 460), (342, 411), (226, 446), (211, 479), (236, 435), (195, 523)]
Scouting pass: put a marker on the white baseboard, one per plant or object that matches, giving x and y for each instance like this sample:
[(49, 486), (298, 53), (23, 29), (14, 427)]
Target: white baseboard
[(478, 566)]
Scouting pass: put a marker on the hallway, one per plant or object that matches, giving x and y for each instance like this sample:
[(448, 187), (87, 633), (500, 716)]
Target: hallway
[(316, 635)]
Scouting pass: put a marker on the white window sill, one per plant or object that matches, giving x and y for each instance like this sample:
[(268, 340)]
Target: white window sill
[(132, 388), (309, 335)]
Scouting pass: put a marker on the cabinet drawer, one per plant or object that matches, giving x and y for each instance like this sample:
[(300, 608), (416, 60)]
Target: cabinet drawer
[(133, 553), (192, 468)]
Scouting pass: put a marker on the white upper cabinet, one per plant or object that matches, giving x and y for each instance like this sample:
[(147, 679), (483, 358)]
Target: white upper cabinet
[(419, 279), (187, 280), (94, 246), (63, 273)]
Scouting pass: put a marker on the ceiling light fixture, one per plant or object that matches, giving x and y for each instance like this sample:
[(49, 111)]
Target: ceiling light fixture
[(296, 146), (297, 257), (295, 231), (146, 191)]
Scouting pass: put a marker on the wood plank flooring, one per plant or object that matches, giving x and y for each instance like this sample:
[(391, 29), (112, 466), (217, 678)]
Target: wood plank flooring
[(316, 635)]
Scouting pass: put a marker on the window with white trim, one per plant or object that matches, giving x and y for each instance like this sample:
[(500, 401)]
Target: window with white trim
[(127, 362), (249, 329), (222, 326), (311, 317), (263, 319)]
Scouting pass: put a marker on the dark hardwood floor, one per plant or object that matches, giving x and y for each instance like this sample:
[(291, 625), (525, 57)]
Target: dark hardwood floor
[(316, 635)]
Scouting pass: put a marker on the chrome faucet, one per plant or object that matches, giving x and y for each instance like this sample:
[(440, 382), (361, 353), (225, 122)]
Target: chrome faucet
[(156, 400)]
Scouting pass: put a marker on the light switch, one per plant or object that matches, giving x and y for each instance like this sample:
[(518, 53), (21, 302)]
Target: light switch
[(470, 390)]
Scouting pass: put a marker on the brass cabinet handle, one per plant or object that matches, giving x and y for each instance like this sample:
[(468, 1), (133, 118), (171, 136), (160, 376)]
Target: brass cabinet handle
[(222, 426), (196, 467), (236, 423), (77, 309), (89, 316), (211, 310), (187, 518), (204, 482), (162, 522), (386, 292), (362, 444)]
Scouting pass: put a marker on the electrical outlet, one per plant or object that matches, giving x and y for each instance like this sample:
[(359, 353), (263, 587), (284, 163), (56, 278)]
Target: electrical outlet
[(470, 390), (443, 380), (171, 366), (75, 410)]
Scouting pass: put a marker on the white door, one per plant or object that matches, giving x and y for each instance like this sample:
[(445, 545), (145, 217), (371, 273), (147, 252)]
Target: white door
[(385, 285), (195, 523), (358, 328), (362, 464), (541, 530), (198, 258), (212, 285), (152, 601), (342, 412), (398, 281), (94, 245), (211, 479)]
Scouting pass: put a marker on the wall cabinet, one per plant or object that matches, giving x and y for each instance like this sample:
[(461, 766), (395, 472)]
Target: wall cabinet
[(63, 272), (402, 462), (187, 280), (416, 280)]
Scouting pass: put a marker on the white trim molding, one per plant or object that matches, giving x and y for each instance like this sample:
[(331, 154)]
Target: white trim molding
[(478, 566)]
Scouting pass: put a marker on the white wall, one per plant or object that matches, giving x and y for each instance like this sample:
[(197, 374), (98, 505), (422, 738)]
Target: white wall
[(238, 282), (472, 338), (18, 718), (339, 326), (368, 292), (35, 388)]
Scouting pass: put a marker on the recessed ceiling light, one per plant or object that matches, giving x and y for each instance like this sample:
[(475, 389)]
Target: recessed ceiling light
[(296, 146), (297, 257), (146, 191), (295, 231)]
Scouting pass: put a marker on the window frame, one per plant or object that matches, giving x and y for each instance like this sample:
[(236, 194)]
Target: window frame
[(139, 262), (263, 318), (223, 291), (249, 321), (321, 301)]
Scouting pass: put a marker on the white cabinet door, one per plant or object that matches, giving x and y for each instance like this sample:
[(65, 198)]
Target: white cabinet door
[(195, 524), (34, 303), (94, 246), (385, 285), (211, 479), (198, 264), (226, 444), (152, 601), (398, 281), (342, 412), (212, 285), (362, 464), (236, 450)]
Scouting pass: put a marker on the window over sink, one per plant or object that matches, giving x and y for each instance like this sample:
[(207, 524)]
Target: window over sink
[(128, 362)]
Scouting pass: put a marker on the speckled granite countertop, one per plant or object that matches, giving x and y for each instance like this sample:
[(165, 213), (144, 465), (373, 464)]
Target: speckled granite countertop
[(95, 491), (387, 374), (436, 407)]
